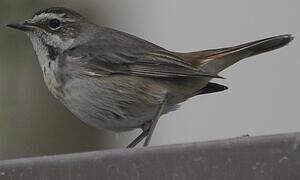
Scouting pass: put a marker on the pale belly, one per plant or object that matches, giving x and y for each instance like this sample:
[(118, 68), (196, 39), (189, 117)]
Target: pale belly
[(116, 103), (119, 103)]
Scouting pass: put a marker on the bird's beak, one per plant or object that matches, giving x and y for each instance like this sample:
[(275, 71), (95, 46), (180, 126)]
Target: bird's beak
[(23, 26)]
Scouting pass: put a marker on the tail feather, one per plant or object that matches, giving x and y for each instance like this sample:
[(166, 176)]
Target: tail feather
[(216, 60), (211, 88)]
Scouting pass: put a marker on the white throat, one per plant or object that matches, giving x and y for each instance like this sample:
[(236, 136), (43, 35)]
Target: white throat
[(40, 50), (49, 66), (39, 40)]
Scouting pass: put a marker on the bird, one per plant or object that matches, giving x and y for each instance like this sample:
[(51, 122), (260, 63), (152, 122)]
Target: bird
[(119, 82)]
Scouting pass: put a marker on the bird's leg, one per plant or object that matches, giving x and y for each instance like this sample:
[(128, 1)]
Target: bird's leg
[(153, 124), (147, 130), (138, 139)]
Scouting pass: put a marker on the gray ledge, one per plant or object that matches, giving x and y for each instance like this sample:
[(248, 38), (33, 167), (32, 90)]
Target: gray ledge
[(275, 157)]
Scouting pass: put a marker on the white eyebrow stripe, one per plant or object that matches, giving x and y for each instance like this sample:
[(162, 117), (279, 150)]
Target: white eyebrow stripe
[(44, 16)]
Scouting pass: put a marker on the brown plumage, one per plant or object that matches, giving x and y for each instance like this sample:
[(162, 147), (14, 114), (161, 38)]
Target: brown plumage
[(219, 59), (110, 79)]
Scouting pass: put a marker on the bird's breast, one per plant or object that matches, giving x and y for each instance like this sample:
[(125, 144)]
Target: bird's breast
[(51, 78)]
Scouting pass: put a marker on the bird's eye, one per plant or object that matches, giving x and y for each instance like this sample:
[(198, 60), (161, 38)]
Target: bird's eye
[(54, 24)]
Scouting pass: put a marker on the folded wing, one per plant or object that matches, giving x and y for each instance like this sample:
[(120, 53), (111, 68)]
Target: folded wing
[(121, 53)]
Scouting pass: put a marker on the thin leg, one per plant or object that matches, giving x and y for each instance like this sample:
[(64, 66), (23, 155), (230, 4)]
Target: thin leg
[(153, 124), (138, 139)]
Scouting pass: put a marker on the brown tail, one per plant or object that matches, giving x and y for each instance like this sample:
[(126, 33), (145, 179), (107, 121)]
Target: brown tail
[(216, 60)]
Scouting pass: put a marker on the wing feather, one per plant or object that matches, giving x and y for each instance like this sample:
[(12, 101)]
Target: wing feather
[(156, 64), (115, 52)]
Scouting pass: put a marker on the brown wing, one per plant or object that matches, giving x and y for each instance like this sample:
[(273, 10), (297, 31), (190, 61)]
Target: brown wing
[(113, 56)]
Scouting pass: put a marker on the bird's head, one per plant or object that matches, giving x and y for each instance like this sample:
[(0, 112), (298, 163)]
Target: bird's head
[(56, 27)]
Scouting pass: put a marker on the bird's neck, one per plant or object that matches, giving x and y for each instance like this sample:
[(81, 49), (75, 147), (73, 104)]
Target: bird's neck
[(44, 51), (48, 60)]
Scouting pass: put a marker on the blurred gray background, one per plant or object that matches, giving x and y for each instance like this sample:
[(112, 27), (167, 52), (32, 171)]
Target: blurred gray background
[(263, 90)]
